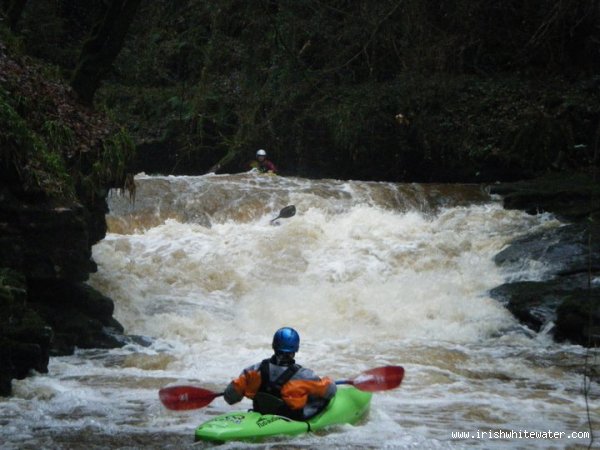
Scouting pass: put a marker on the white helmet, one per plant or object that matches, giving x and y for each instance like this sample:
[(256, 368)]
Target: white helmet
[(261, 152)]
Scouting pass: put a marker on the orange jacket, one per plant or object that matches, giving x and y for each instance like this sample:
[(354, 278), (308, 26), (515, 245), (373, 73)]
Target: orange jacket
[(294, 393)]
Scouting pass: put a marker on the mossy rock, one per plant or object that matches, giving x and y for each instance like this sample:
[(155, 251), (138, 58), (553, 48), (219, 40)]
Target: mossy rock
[(12, 285)]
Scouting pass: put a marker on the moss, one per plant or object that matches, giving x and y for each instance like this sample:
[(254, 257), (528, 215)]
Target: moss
[(13, 295), (110, 168), (50, 144), (57, 135), (112, 165), (26, 153), (10, 277)]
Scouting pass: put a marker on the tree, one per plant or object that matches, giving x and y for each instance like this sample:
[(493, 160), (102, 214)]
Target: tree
[(13, 9), (102, 47)]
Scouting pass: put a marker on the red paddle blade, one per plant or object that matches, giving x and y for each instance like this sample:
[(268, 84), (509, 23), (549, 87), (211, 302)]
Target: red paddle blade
[(180, 398), (379, 379)]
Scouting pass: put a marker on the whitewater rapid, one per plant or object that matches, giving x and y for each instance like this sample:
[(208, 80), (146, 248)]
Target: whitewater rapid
[(370, 274)]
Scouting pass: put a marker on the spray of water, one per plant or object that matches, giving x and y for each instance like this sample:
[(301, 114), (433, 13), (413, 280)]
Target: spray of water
[(369, 273)]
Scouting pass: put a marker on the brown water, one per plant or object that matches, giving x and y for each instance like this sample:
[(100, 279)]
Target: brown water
[(369, 273)]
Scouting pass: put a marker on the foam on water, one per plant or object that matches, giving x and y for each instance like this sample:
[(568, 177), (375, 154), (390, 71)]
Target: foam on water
[(369, 273)]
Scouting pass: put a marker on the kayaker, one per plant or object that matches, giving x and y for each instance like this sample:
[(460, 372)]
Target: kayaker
[(262, 164), (280, 386)]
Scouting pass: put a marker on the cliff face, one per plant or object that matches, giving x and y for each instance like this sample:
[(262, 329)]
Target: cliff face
[(45, 308), (58, 161)]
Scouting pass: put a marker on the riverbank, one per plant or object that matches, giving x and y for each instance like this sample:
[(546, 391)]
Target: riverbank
[(59, 160), (567, 303)]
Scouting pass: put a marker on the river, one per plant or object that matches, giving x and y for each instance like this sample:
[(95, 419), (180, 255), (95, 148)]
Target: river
[(370, 274)]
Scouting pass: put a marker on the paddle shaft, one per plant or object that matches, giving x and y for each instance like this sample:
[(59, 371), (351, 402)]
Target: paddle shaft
[(191, 397), (338, 382)]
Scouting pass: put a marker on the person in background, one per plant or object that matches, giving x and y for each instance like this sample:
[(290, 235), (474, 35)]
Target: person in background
[(262, 164), (280, 386)]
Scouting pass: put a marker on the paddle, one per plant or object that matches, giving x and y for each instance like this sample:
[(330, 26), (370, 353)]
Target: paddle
[(181, 398), (378, 379), (285, 213)]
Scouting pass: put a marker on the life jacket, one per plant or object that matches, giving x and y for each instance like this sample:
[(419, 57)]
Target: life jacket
[(268, 398), (264, 166)]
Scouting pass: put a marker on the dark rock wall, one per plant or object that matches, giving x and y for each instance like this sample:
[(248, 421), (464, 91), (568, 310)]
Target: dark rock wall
[(568, 301), (24, 336), (45, 306), (58, 159)]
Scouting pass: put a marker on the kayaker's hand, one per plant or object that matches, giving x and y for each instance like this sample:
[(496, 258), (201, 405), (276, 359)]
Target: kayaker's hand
[(252, 383), (247, 384), (295, 393)]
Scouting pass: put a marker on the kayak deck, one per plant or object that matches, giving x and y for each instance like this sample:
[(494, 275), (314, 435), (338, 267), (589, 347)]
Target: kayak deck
[(347, 407)]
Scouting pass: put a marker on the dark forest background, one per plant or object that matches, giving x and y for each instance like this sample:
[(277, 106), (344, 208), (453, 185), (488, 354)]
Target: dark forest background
[(94, 91), (402, 90)]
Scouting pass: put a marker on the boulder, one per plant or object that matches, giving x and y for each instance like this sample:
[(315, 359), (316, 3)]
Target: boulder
[(79, 315), (566, 301), (45, 306), (578, 318), (569, 249), (570, 196)]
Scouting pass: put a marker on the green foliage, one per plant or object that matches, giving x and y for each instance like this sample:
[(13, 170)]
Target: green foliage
[(57, 135), (112, 163), (319, 84), (150, 111), (38, 159), (26, 153), (49, 143), (54, 30)]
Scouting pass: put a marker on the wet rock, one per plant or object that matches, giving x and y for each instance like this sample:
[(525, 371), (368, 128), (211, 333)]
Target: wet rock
[(44, 240), (578, 318), (535, 303), (566, 250), (24, 336), (569, 297), (45, 306), (571, 196), (59, 159), (79, 315)]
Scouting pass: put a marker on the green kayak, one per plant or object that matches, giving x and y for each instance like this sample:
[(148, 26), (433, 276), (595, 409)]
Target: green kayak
[(347, 407)]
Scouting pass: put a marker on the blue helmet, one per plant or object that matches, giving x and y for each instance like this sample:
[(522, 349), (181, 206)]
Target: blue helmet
[(286, 340)]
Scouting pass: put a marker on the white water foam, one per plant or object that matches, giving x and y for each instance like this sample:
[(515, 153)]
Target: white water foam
[(365, 283)]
